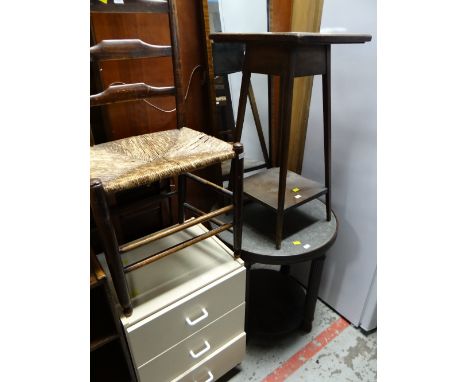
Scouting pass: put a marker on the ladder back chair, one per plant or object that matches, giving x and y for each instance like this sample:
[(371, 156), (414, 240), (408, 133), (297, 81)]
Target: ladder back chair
[(141, 160)]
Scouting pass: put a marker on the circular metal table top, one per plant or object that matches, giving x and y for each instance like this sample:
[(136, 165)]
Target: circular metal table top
[(307, 233)]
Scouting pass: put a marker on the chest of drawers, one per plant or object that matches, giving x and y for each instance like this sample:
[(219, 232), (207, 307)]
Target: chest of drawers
[(189, 308)]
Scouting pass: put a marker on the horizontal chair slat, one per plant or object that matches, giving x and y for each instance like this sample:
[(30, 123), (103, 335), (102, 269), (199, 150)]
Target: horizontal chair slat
[(175, 248), (130, 6), (174, 229), (198, 212), (129, 92), (127, 49)]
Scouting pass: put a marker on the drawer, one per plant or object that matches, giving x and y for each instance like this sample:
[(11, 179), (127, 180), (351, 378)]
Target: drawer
[(165, 328), (192, 350), (217, 364)]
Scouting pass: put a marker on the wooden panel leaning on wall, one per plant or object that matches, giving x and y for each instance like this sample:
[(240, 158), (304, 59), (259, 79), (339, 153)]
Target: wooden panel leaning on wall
[(298, 16), (129, 119)]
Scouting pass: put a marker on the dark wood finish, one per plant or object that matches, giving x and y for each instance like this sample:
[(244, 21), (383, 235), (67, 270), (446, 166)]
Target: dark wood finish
[(237, 181), (326, 96), (99, 198), (176, 248), (122, 120), (276, 305), (154, 28), (130, 6), (106, 231), (129, 92), (176, 64), (289, 55), (174, 229), (292, 39), (199, 212), (263, 187), (242, 104), (126, 49), (286, 86), (129, 119), (228, 58), (97, 343), (208, 64), (310, 59), (107, 340)]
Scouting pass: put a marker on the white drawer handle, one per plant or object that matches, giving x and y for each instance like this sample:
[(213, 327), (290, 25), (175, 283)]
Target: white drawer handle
[(196, 321), (201, 352), (210, 376)]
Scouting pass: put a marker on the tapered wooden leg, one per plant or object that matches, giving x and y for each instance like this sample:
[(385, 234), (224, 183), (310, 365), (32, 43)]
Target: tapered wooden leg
[(240, 116), (244, 91), (315, 275), (237, 165), (326, 99), (258, 124), (181, 196), (287, 82), (106, 231)]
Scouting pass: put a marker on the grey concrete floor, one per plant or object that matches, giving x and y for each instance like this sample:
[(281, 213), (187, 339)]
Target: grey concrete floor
[(350, 356)]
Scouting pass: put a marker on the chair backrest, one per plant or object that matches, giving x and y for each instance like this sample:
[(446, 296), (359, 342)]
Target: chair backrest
[(128, 49)]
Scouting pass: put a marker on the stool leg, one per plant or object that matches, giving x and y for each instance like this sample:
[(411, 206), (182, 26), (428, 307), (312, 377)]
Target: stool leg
[(315, 275), (181, 196), (111, 247)]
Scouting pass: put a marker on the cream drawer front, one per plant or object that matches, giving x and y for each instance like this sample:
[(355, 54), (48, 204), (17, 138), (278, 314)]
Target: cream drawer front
[(191, 351), (217, 364), (165, 328)]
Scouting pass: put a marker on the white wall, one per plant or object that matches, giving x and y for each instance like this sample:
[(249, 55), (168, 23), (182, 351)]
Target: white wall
[(248, 16), (351, 262)]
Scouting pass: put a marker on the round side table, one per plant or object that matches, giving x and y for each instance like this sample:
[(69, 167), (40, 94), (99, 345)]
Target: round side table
[(276, 303)]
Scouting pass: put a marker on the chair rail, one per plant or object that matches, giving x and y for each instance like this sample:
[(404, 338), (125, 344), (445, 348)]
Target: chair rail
[(127, 49), (129, 92)]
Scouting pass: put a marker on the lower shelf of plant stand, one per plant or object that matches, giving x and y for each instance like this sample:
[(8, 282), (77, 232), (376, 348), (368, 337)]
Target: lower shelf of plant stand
[(276, 304), (263, 187)]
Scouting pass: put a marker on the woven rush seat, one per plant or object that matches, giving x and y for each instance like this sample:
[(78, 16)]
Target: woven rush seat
[(144, 159)]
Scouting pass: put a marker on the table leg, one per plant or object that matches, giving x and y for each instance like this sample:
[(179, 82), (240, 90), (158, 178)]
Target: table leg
[(315, 275), (244, 91), (287, 82), (326, 100), (237, 166)]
